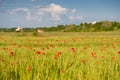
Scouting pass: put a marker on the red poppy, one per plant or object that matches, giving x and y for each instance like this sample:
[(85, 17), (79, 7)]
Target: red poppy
[(93, 54), (43, 53), (30, 68), (1, 60), (59, 53), (118, 52), (10, 63), (43, 48), (63, 71), (73, 49), (38, 52), (83, 61), (12, 53), (5, 49), (51, 45)]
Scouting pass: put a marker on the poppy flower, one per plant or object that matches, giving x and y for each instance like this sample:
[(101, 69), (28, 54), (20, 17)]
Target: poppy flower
[(30, 68), (93, 54), (73, 49), (59, 53), (38, 52), (63, 71), (43, 53), (118, 52), (43, 48), (12, 53), (83, 61), (1, 60)]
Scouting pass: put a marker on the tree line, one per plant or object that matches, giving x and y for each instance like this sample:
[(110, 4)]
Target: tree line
[(82, 27)]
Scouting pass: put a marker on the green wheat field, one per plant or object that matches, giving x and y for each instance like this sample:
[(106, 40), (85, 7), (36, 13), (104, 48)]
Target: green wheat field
[(60, 56)]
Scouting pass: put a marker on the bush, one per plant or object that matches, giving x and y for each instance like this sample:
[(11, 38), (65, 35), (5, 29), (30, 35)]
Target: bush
[(35, 33)]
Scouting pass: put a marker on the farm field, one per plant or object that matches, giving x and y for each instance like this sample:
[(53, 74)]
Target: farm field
[(60, 56)]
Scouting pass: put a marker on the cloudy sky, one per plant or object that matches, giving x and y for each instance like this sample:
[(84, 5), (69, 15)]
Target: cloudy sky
[(40, 13)]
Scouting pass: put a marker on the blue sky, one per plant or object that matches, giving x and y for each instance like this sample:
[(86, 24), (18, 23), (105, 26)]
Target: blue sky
[(42, 13)]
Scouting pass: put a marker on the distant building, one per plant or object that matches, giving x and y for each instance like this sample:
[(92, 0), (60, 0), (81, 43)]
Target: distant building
[(18, 29), (94, 22), (40, 31)]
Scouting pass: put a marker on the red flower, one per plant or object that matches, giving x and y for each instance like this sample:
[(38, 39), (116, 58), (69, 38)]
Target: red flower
[(12, 53), (1, 60), (118, 52), (10, 63), (30, 68), (59, 53), (51, 45), (38, 52), (43, 48), (73, 49), (93, 54), (5, 49), (43, 53), (83, 61), (63, 71)]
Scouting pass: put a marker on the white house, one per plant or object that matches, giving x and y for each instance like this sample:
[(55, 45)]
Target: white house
[(94, 22), (18, 29), (40, 31)]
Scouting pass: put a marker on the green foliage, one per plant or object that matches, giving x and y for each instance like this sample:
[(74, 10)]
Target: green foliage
[(83, 27), (60, 57), (35, 33)]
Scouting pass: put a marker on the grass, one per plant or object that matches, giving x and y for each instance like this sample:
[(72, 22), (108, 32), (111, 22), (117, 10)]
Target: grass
[(49, 34), (61, 56)]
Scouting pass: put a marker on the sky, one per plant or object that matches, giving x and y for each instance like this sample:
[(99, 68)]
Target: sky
[(47, 13)]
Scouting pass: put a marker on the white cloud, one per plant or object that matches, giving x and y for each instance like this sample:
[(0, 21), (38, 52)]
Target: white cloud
[(73, 11), (24, 10), (52, 12), (20, 10), (75, 17), (53, 9)]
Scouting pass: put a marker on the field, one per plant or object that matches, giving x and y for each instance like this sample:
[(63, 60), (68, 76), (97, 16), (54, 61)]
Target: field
[(60, 56)]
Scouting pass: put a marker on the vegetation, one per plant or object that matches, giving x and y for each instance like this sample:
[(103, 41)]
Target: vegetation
[(64, 52), (82, 27), (66, 57)]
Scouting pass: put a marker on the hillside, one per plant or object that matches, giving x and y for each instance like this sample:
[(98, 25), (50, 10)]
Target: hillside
[(82, 27)]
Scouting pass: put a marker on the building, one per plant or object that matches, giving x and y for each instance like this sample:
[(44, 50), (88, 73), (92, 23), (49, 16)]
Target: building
[(18, 29), (40, 31)]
